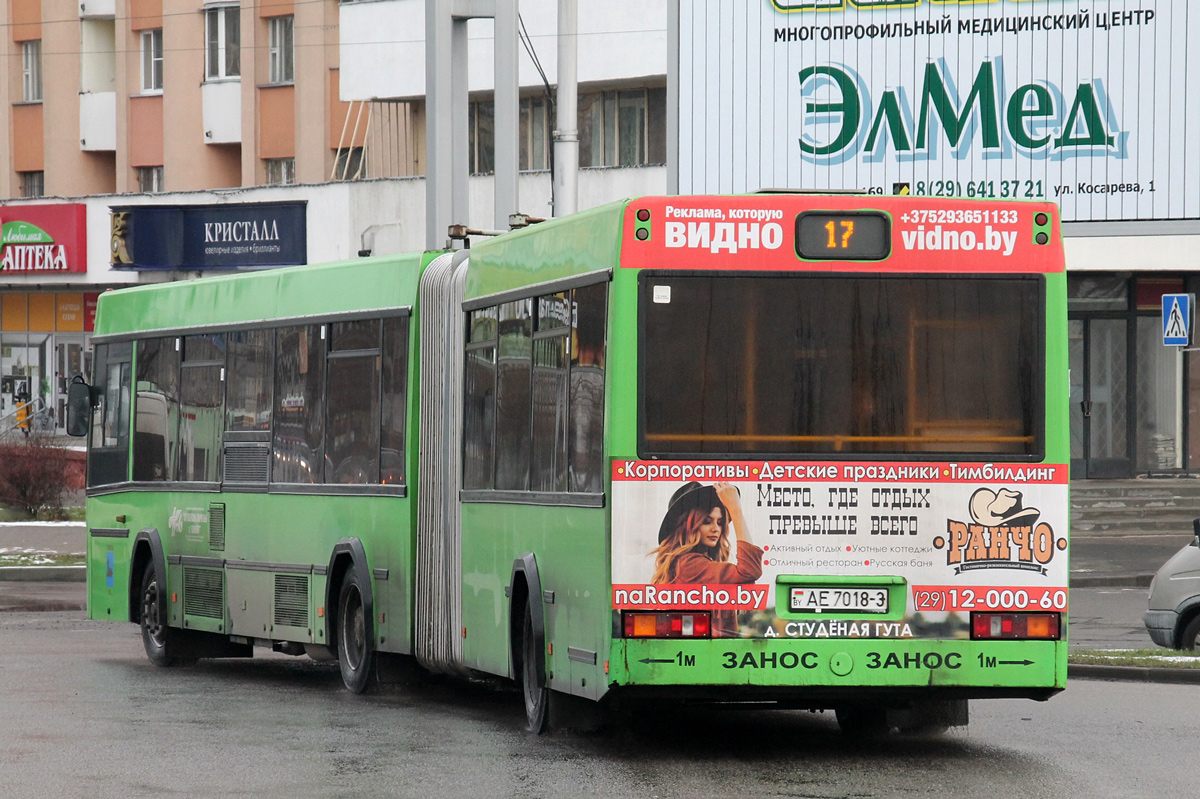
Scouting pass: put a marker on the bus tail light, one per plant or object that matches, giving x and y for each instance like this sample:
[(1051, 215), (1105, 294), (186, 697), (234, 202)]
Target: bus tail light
[(1015, 626), (667, 625)]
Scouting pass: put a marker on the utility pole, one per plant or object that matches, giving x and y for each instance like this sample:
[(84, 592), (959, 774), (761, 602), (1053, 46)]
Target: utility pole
[(566, 133), (447, 118)]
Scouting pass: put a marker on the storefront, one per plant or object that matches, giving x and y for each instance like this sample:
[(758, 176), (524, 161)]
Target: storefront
[(1135, 404), (44, 331), (43, 344)]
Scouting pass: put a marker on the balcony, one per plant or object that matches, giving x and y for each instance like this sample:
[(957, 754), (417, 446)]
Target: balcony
[(98, 121), (222, 101), (97, 9)]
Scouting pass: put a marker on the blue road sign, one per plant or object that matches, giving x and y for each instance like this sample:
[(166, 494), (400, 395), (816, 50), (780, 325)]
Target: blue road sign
[(1177, 319)]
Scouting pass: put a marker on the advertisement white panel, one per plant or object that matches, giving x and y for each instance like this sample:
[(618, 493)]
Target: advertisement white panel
[(1093, 105), (802, 549)]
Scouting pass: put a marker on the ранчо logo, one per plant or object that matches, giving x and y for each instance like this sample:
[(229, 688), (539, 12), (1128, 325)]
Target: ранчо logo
[(1004, 535)]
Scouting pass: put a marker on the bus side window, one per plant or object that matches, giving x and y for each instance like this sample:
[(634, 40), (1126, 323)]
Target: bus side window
[(479, 398), (201, 406), (586, 448), (298, 432), (251, 360), (513, 375), (391, 419), (352, 421), (156, 411), (108, 453), (551, 343)]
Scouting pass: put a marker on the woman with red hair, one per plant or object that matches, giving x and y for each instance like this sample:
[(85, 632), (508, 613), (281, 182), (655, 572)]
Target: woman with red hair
[(693, 544)]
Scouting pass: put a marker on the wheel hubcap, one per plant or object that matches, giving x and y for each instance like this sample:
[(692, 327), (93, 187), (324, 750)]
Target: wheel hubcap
[(150, 620), (354, 635)]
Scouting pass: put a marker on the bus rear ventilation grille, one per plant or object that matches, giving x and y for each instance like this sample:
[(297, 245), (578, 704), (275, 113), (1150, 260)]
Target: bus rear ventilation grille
[(203, 592), (247, 463), (291, 600), (216, 526)]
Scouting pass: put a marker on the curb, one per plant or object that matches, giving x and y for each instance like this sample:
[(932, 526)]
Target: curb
[(42, 606), (43, 574), (1133, 674)]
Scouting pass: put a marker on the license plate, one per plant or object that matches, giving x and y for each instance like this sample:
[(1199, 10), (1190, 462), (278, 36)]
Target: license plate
[(827, 599)]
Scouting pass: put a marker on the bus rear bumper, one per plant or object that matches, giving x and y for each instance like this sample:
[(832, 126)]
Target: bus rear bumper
[(812, 697), (815, 673)]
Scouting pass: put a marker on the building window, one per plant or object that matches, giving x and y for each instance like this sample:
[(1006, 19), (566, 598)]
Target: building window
[(616, 128), (281, 171), (623, 128), (31, 71), (535, 133), (281, 50), (33, 184), (150, 179), (349, 164), (152, 61), (481, 136), (223, 42)]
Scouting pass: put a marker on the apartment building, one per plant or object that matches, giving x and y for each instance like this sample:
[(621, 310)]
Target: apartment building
[(114, 96), (133, 121)]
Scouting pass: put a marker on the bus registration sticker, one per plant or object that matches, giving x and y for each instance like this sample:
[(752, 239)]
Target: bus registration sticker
[(822, 599)]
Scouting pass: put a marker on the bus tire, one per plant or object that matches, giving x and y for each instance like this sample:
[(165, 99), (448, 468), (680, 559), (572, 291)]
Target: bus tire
[(536, 696), (156, 634), (1190, 637), (355, 650)]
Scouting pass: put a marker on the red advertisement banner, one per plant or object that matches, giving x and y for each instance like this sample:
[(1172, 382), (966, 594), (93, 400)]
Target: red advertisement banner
[(761, 233)]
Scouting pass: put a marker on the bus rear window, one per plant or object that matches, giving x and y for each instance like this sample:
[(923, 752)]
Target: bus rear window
[(826, 366)]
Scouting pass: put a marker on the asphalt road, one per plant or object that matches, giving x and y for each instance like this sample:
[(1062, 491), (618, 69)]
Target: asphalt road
[(83, 714)]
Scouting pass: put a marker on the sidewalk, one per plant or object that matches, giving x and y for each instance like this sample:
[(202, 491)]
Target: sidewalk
[(43, 588)]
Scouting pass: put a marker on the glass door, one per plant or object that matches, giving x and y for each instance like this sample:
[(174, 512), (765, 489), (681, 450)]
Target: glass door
[(1099, 364), (69, 360)]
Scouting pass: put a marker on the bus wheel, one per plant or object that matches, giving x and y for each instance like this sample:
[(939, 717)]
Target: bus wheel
[(355, 652), (155, 631), (863, 721), (537, 697)]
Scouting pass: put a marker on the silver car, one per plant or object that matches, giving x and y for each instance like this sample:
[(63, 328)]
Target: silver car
[(1173, 619)]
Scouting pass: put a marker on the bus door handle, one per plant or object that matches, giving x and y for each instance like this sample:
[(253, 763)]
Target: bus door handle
[(1086, 405)]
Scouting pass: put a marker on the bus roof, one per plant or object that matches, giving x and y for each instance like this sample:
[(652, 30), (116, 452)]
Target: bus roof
[(388, 281), (556, 249)]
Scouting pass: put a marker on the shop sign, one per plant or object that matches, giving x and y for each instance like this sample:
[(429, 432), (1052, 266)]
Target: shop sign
[(199, 237), (1088, 105), (43, 238)]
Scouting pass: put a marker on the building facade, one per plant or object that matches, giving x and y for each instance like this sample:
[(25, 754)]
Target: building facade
[(114, 103)]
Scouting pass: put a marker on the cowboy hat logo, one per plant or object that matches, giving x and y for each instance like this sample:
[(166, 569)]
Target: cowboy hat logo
[(994, 508), (1002, 534)]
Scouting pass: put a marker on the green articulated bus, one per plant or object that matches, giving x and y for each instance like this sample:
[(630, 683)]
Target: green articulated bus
[(792, 448)]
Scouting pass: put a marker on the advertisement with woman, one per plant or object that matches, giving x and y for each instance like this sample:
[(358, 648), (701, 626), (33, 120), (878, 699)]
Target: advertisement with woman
[(814, 550)]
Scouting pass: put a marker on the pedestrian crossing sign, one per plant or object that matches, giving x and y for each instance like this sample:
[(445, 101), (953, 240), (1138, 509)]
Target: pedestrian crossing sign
[(1177, 319)]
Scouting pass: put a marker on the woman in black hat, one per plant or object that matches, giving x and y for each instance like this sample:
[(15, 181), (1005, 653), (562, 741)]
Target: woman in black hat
[(693, 544)]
